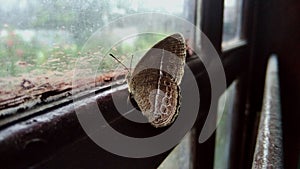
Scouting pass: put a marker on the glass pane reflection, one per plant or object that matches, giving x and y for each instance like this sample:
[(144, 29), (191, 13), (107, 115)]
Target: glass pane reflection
[(232, 21)]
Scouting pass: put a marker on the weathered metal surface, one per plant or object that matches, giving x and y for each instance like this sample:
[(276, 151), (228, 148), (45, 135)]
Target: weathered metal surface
[(268, 150)]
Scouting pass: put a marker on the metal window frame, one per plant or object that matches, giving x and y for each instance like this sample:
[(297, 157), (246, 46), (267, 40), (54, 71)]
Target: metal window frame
[(61, 142)]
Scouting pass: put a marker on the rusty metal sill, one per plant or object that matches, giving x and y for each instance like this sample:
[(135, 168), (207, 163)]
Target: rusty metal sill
[(36, 106)]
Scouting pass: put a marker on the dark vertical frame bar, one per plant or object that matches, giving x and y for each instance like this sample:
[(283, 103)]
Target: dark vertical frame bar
[(278, 32), (243, 122), (212, 21), (211, 26), (255, 81)]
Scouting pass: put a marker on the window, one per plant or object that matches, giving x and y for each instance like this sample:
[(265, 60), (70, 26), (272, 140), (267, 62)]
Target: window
[(232, 22), (183, 155), (41, 42), (223, 132)]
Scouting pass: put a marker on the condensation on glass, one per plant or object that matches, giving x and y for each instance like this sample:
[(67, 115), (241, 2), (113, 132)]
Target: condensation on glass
[(41, 41), (232, 22)]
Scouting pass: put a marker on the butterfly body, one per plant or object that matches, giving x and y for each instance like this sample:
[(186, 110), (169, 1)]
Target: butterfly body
[(154, 82)]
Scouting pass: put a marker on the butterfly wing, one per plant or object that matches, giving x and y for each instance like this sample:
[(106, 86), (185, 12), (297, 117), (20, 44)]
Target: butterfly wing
[(154, 83)]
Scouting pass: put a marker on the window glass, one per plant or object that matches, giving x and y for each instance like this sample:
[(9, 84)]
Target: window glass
[(223, 132), (232, 21), (182, 156), (41, 41)]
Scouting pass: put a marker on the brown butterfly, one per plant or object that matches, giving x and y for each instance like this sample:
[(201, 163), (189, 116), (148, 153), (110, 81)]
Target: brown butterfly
[(154, 82)]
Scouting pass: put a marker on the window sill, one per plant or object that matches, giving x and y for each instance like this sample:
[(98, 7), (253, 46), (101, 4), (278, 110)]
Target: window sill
[(49, 138), (55, 139)]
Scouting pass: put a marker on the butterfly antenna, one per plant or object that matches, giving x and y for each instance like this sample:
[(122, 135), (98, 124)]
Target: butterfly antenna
[(131, 63), (119, 62)]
